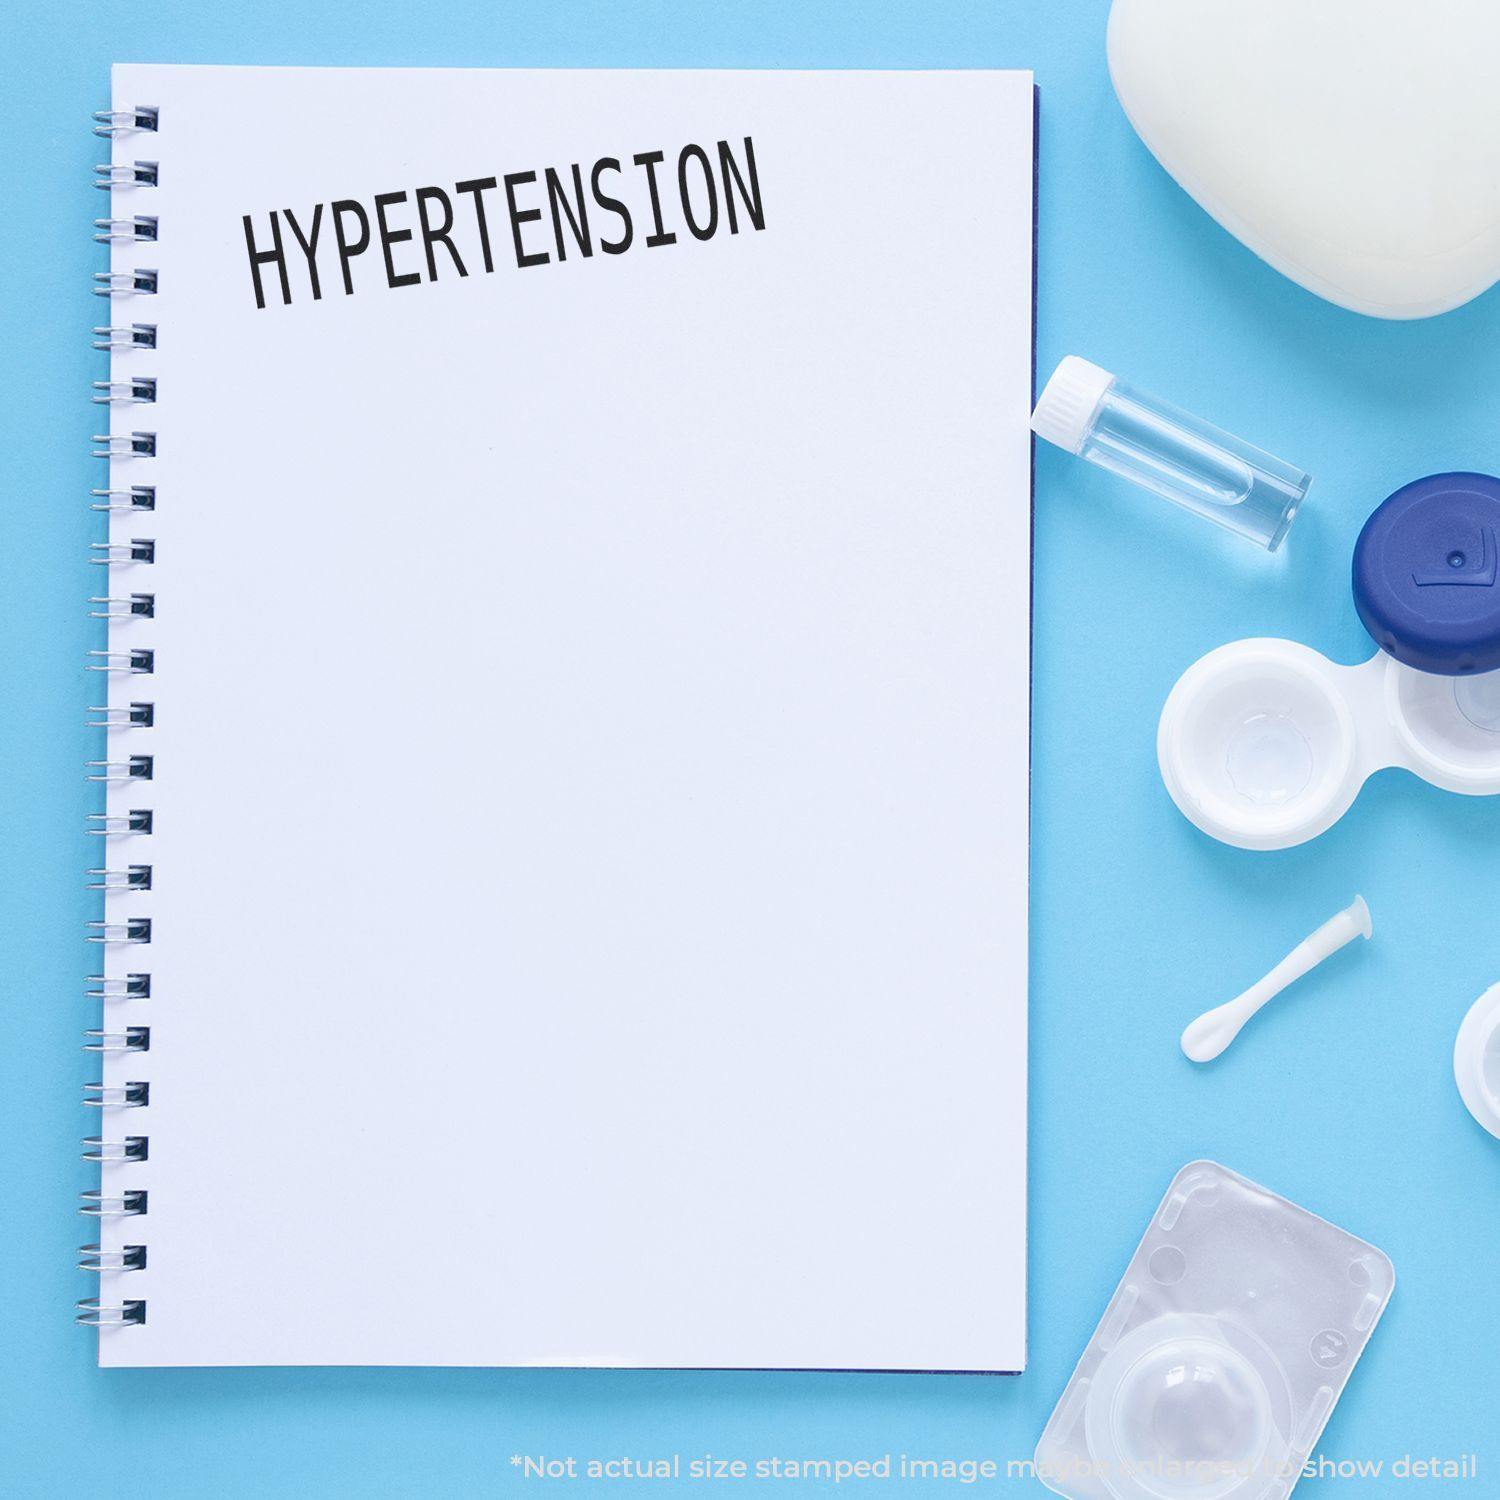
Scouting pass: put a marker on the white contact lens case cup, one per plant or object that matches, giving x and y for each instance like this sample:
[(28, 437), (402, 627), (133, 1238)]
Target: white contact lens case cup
[(1222, 1352), (1265, 743), (1476, 1060)]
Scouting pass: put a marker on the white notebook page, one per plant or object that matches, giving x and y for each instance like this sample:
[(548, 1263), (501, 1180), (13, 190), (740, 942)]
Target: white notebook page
[(591, 751)]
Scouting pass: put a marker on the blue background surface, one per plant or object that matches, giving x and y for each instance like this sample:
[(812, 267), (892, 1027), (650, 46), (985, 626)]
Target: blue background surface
[(1341, 1097)]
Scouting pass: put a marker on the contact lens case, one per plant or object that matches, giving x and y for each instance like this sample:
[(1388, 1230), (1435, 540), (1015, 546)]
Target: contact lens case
[(1221, 1354), (1266, 743)]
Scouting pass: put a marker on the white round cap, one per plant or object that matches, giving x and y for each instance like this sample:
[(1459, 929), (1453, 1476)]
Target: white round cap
[(1476, 1060), (1068, 404)]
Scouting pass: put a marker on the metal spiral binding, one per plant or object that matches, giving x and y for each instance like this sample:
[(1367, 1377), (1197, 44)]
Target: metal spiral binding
[(125, 445), (138, 392), (134, 231), (123, 661), (137, 549), (95, 1314), (126, 336), (123, 121), (132, 1039), (102, 1205), (126, 1258), (119, 987), (134, 1095), (137, 820), (119, 608), (130, 174), (136, 930), (127, 608), (137, 768), (121, 283), (133, 878), (137, 497), (134, 716), (132, 1148)]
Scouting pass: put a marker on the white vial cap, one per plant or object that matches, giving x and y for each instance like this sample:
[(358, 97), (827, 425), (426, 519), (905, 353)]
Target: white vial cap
[(1068, 405)]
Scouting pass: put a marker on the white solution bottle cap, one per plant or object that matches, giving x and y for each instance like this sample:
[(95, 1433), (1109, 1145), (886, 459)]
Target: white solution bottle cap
[(1069, 403)]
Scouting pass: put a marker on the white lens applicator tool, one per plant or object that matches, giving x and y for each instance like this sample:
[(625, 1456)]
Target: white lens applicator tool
[(1214, 1030)]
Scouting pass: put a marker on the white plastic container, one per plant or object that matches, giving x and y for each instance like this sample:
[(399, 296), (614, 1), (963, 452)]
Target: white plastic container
[(1476, 1060), (1265, 743)]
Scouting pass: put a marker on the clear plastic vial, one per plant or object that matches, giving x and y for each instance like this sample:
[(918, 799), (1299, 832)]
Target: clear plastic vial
[(1170, 452)]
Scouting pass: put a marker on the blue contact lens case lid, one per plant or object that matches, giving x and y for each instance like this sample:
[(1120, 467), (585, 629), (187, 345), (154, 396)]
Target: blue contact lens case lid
[(1427, 574)]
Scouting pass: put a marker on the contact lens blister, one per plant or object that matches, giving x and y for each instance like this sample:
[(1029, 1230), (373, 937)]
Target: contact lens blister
[(1222, 1352)]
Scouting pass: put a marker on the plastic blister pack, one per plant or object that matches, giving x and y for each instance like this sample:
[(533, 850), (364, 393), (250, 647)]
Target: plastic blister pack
[(1222, 1352)]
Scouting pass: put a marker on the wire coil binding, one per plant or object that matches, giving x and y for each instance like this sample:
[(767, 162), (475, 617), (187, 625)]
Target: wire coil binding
[(137, 661), (95, 1314), (132, 1039), (133, 1095), (123, 880), (112, 608), (132, 1148), (137, 549), (137, 497), (132, 716), (134, 878), (119, 986), (110, 122), (126, 1258), (124, 445), (124, 283), (101, 1205), (137, 768), (141, 229), (138, 392), (111, 176), (107, 825), (127, 336)]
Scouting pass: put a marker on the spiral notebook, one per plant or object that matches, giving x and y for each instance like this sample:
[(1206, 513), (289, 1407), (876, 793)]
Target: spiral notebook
[(564, 767)]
